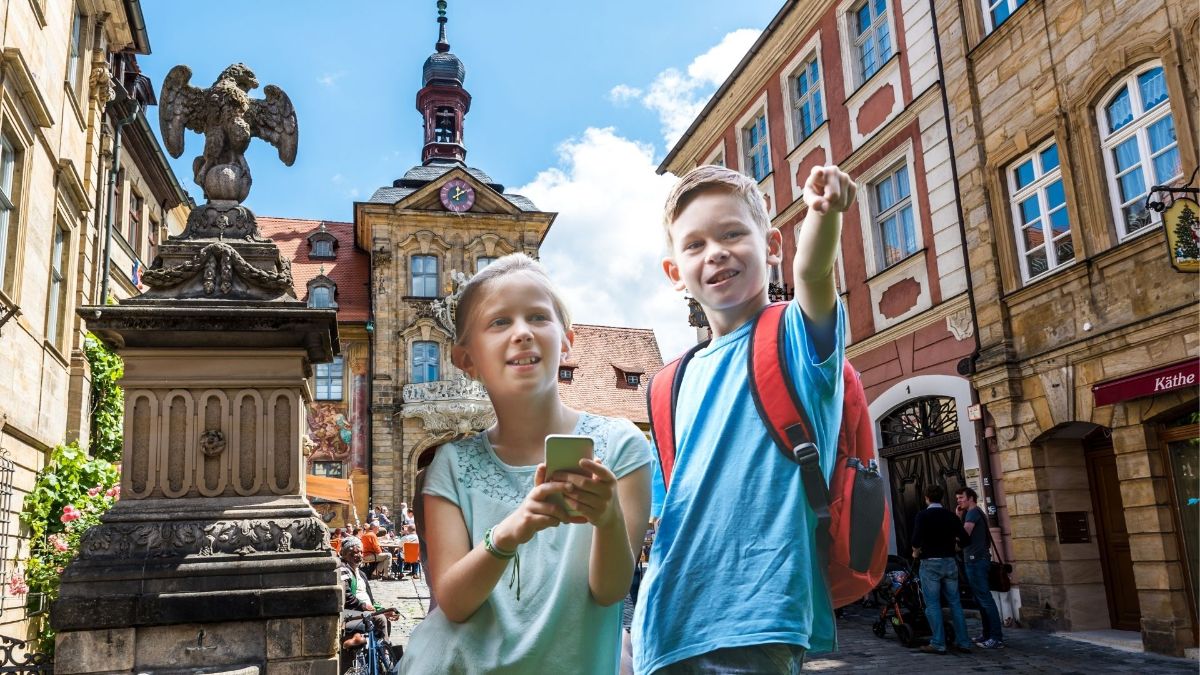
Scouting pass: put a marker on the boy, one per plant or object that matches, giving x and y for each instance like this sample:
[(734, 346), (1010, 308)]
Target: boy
[(763, 602)]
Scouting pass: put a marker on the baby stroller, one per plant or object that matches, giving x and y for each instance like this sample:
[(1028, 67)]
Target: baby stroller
[(902, 605)]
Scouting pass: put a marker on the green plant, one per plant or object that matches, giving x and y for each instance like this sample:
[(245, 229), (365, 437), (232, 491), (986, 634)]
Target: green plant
[(68, 497), (108, 402)]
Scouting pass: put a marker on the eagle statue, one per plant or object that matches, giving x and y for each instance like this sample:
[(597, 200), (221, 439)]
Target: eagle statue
[(228, 118)]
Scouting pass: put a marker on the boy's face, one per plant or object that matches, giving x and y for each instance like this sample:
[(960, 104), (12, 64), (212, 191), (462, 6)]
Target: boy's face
[(722, 257)]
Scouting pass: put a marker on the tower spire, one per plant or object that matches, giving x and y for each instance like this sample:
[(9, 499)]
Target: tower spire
[(442, 44)]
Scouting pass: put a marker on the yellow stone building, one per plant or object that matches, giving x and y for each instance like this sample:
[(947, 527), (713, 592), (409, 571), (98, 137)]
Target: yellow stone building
[(1064, 117)]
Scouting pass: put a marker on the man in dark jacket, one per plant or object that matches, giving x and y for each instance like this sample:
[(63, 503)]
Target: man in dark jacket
[(358, 590), (935, 534)]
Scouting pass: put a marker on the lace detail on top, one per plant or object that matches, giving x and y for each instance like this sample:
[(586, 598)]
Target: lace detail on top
[(479, 470)]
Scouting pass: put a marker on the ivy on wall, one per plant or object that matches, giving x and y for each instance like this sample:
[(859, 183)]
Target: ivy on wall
[(108, 402)]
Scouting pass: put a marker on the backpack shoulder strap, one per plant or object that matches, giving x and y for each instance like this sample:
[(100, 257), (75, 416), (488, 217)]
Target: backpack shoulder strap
[(661, 396)]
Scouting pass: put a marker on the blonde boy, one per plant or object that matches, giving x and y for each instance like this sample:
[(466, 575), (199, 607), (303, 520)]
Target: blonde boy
[(733, 581)]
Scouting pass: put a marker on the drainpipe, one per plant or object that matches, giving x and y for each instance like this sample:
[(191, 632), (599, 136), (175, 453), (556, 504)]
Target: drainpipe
[(112, 198), (981, 442)]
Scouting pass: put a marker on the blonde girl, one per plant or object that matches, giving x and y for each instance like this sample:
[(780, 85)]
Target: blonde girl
[(520, 586)]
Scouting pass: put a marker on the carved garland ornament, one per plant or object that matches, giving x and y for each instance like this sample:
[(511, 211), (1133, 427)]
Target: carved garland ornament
[(184, 538), (219, 261)]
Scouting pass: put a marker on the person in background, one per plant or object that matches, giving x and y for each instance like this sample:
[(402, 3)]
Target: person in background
[(935, 534), (410, 537), (385, 523), (373, 552), (976, 559)]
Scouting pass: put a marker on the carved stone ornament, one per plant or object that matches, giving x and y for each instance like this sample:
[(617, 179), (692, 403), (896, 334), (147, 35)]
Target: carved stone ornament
[(212, 442), (219, 262), (960, 326), (459, 388), (176, 539), (100, 81), (457, 417)]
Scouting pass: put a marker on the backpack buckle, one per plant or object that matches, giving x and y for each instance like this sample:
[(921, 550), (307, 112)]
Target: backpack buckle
[(806, 453)]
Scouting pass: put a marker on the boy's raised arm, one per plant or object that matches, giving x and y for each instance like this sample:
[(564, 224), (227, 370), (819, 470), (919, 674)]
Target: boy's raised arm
[(828, 192)]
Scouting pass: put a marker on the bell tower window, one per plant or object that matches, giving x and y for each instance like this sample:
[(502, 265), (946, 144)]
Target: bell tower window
[(445, 127)]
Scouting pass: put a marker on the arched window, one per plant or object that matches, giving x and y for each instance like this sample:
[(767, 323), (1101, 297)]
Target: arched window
[(320, 297), (426, 361), (1140, 149), (919, 419)]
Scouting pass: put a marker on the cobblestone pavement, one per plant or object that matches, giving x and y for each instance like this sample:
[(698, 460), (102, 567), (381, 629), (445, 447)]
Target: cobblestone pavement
[(1026, 651)]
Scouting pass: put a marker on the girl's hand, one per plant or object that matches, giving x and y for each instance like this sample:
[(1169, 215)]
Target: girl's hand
[(594, 495), (828, 190), (535, 513)]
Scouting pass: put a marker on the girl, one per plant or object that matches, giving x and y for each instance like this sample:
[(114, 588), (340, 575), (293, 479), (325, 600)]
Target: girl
[(520, 586)]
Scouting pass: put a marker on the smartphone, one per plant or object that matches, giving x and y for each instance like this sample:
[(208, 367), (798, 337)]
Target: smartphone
[(563, 453)]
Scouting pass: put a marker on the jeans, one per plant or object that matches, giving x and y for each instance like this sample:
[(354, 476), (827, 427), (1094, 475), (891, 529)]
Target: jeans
[(768, 659), (989, 614), (939, 577)]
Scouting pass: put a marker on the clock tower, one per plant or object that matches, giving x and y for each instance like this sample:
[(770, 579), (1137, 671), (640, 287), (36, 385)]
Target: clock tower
[(439, 220)]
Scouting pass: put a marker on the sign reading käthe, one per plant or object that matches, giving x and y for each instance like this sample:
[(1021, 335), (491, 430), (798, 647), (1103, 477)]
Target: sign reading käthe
[(1157, 381)]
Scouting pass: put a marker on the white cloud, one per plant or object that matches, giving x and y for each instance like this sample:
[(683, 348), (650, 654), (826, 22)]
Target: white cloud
[(605, 249), (623, 93), (679, 97), (330, 79)]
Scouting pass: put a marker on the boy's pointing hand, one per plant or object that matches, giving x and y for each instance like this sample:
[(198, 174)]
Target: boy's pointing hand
[(829, 190)]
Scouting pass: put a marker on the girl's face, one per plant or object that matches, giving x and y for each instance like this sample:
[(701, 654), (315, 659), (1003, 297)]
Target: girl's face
[(514, 338)]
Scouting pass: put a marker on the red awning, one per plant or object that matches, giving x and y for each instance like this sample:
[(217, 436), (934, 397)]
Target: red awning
[(1185, 374)]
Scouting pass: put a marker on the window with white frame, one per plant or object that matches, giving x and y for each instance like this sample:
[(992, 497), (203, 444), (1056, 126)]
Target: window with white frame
[(58, 287), (424, 276), (758, 154), (892, 215), (8, 162), (329, 380), (808, 112), (426, 361), (872, 37), (75, 55), (999, 10), (1140, 149), (1039, 207)]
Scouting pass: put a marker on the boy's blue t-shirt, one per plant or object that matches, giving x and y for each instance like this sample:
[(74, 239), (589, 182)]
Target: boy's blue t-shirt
[(733, 562)]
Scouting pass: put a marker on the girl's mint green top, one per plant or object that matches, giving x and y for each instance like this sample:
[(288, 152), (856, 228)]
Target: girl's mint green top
[(556, 626)]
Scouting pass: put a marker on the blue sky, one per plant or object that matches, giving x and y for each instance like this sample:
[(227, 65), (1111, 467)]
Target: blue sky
[(573, 104)]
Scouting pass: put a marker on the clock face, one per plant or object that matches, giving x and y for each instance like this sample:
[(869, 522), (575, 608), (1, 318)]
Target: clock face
[(458, 196)]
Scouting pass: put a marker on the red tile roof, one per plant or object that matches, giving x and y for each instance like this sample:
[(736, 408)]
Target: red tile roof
[(350, 270), (600, 355)]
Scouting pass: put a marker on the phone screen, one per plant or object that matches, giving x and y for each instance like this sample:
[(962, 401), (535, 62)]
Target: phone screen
[(563, 453)]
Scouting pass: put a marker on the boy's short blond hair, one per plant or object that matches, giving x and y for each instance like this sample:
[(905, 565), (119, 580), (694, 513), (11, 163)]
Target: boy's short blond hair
[(710, 177)]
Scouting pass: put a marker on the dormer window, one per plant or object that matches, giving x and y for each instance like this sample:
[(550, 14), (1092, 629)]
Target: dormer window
[(629, 375), (322, 292), (633, 379), (566, 374), (322, 245)]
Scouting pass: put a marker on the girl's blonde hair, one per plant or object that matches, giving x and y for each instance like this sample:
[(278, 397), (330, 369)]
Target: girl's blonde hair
[(513, 263)]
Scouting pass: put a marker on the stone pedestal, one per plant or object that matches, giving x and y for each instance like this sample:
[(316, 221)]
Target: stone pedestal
[(212, 561)]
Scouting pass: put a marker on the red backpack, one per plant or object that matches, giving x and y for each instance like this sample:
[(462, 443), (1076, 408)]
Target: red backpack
[(852, 514)]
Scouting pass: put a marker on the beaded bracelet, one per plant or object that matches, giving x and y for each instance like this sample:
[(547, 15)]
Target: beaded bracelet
[(515, 556)]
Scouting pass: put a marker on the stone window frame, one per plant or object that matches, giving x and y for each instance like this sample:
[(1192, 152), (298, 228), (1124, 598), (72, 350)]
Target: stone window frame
[(436, 363), (988, 6), (426, 329), (58, 283), (322, 282), (853, 40), (1037, 187), (1137, 129), (11, 172), (487, 246), (423, 242)]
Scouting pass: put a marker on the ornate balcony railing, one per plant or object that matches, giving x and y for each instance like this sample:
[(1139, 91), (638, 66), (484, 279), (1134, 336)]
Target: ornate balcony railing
[(459, 388)]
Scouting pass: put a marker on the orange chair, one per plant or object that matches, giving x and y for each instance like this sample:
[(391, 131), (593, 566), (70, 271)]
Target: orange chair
[(412, 557)]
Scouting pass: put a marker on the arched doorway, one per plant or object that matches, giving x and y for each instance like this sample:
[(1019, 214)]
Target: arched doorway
[(920, 442)]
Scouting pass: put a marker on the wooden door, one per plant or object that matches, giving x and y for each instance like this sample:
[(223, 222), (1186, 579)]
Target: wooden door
[(909, 473), (1124, 611)]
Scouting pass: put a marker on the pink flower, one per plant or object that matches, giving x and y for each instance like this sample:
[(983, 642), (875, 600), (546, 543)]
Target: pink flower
[(57, 541), (17, 585), (70, 513), (92, 492), (114, 492)]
